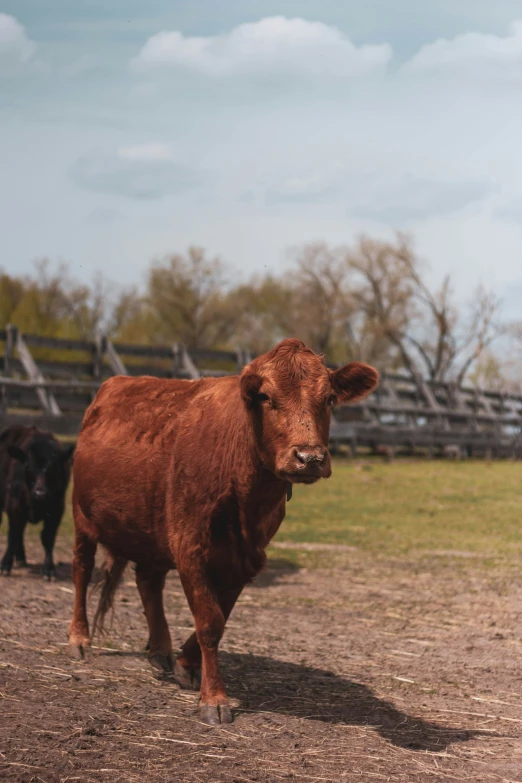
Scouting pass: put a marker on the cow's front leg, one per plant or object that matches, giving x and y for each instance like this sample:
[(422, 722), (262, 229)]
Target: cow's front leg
[(19, 552), (14, 537), (210, 625), (187, 667), (48, 537)]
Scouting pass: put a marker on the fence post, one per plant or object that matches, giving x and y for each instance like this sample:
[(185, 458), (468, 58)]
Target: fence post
[(47, 399), (188, 364), (176, 360), (244, 357), (98, 349), (10, 339), (116, 364)]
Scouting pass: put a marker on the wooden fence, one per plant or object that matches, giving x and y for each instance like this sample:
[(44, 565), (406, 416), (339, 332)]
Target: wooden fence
[(51, 381)]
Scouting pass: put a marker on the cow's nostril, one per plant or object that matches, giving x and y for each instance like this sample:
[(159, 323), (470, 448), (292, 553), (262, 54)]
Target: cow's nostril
[(307, 457)]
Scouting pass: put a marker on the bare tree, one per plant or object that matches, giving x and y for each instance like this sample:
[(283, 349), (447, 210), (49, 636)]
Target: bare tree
[(370, 302), (187, 296), (52, 302), (88, 306), (431, 335), (384, 293), (484, 326), (12, 291), (321, 295), (266, 312), (309, 301)]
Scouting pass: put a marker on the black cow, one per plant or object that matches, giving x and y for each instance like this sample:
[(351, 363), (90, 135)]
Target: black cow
[(34, 474)]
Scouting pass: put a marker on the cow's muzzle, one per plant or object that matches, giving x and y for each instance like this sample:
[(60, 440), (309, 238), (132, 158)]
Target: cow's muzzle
[(308, 464), (310, 456)]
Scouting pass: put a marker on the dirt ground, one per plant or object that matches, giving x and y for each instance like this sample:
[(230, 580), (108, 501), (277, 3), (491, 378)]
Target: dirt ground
[(368, 669)]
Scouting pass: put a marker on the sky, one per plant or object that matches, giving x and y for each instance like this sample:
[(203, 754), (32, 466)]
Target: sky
[(131, 130)]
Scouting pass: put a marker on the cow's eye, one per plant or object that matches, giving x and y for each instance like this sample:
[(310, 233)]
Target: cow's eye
[(331, 400), (260, 397)]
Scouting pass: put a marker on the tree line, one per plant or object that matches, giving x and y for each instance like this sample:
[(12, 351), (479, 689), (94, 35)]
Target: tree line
[(369, 301)]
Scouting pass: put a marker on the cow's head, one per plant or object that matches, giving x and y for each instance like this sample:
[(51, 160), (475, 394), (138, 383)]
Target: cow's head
[(45, 463), (289, 393)]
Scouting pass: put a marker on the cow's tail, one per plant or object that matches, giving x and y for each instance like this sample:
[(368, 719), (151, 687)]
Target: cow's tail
[(110, 578)]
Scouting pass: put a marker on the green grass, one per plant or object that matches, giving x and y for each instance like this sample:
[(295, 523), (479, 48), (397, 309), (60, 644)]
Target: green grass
[(402, 507)]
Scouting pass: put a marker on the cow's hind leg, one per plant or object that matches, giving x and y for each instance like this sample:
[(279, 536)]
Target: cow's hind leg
[(83, 564), (159, 647), (187, 667)]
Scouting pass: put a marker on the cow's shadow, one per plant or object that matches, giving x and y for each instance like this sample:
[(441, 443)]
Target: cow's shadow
[(263, 684), (277, 569), (63, 570)]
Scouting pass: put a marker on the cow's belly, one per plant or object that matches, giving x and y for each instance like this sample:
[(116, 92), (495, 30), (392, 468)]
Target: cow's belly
[(134, 544)]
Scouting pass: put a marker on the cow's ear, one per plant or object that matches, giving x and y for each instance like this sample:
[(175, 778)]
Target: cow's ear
[(17, 453), (353, 382), (67, 452), (250, 383)]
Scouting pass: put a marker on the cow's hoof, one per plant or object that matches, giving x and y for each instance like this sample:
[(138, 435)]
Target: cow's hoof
[(79, 650), (188, 679), (5, 571), (215, 715), (161, 663)]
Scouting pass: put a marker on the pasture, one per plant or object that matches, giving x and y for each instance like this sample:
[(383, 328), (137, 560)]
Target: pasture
[(383, 642)]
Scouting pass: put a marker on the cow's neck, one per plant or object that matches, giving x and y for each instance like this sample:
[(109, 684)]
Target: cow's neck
[(241, 468)]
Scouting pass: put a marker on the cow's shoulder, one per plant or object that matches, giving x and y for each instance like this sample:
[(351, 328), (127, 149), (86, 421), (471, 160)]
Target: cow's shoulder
[(16, 485), (15, 435)]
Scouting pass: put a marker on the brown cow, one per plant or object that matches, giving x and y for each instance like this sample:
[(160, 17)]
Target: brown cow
[(194, 475)]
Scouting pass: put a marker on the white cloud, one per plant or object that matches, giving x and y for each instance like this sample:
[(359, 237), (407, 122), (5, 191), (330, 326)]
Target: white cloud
[(471, 51), (411, 198), (140, 172), (16, 48), (510, 209), (103, 215), (272, 45), (388, 197), (318, 185), (146, 152)]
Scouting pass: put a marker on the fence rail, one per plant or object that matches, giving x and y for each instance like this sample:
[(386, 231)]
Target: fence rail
[(51, 381)]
